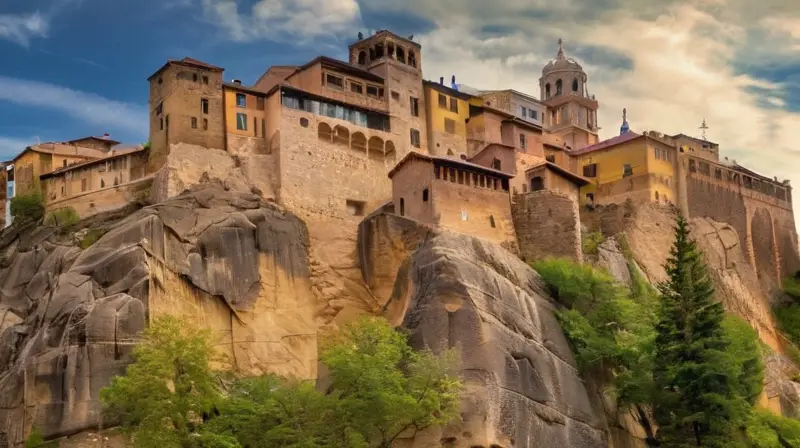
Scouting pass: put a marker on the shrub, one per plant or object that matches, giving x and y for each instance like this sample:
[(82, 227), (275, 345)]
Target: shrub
[(64, 216), (766, 430), (91, 237), (591, 242), (29, 207)]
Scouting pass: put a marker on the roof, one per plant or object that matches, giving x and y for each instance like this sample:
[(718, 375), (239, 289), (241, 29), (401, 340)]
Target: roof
[(235, 86), (626, 137), (104, 139), (515, 92), (491, 145), (448, 161), (112, 155), (386, 33), (527, 123), (693, 138), (188, 62), (561, 62), (446, 90), (345, 67), (565, 173), (63, 149)]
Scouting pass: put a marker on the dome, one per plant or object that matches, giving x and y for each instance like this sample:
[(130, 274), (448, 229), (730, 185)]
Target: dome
[(561, 62)]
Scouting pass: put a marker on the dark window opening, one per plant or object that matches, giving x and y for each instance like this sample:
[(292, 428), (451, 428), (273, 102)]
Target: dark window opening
[(160, 108), (414, 106), (717, 173), (356, 88), (452, 174), (491, 221), (204, 105), (692, 166), (425, 195), (496, 164), (241, 122), (550, 158), (547, 90), (537, 183), (373, 91), (415, 138), (260, 103), (656, 196), (255, 126), (334, 81), (362, 57), (304, 122), (627, 170), (194, 77), (64, 163), (574, 85), (205, 80), (590, 170), (523, 143), (453, 105), (241, 100), (102, 184), (205, 124), (559, 87), (160, 80), (395, 95), (194, 123), (590, 198), (402, 207), (442, 101)]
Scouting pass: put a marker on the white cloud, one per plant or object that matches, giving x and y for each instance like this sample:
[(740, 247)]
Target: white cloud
[(299, 20), (88, 107), (21, 28), (11, 146)]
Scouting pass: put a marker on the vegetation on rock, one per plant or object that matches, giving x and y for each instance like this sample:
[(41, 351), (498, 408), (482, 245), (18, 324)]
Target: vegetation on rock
[(591, 242), (28, 207), (61, 217), (91, 237), (379, 390)]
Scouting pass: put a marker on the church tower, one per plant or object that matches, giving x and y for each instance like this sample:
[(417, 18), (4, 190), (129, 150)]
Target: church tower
[(571, 111)]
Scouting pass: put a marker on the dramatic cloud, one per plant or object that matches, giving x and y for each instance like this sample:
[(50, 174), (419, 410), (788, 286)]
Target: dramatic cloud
[(21, 28), (88, 107), (298, 20)]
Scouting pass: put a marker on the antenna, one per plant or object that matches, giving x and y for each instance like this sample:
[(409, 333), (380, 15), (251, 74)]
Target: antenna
[(704, 128)]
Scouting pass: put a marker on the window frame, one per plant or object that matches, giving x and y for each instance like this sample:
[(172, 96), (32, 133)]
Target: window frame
[(453, 105), (356, 87), (334, 85), (414, 106), (442, 101), (242, 96), (415, 138), (241, 121)]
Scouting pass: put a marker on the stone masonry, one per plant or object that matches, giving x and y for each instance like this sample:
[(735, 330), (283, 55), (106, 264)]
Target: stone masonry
[(547, 224)]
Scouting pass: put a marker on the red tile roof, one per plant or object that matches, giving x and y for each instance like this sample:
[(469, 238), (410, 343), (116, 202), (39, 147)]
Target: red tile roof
[(626, 137)]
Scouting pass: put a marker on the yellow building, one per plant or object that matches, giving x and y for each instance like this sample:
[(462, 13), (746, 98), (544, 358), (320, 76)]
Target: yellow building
[(629, 166), (447, 111), (245, 115)]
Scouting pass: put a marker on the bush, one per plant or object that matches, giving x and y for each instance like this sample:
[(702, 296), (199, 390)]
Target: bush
[(591, 242), (64, 216), (91, 237), (766, 430), (29, 207)]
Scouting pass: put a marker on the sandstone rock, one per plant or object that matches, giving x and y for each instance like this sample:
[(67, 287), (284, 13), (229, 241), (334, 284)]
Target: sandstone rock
[(611, 258)]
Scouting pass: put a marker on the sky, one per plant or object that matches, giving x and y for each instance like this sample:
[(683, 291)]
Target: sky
[(71, 68)]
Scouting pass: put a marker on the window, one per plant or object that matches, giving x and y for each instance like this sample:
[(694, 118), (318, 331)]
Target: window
[(255, 126), (590, 198), (161, 124), (374, 91), (491, 221), (395, 95), (537, 183), (205, 124), (241, 100), (160, 108), (241, 122), (442, 101), (160, 80), (574, 85), (547, 90), (304, 122), (533, 114), (334, 81), (550, 158), (496, 164), (590, 170), (194, 122), (523, 143), (627, 170), (83, 185), (204, 105), (102, 184), (414, 106), (523, 111), (355, 208), (194, 77), (260, 103), (415, 138), (64, 163), (692, 166), (449, 126), (402, 207), (453, 105), (205, 80), (425, 195), (718, 173), (356, 88), (559, 87), (656, 196)]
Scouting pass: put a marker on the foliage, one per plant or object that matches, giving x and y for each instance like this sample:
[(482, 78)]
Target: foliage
[(696, 395), (64, 216), (591, 242), (766, 430), (607, 325), (791, 286), (35, 440), (380, 388), (91, 237), (168, 389), (146, 145), (743, 357), (27, 207)]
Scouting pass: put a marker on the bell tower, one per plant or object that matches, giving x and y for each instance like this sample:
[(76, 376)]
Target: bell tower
[(398, 60), (571, 111)]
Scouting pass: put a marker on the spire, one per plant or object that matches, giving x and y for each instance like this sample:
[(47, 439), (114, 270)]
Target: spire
[(624, 128), (560, 54), (704, 127)]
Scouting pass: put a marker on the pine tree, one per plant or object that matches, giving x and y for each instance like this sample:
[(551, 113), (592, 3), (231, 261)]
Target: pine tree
[(695, 399)]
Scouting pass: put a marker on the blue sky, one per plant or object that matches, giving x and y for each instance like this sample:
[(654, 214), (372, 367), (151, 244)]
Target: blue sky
[(70, 68)]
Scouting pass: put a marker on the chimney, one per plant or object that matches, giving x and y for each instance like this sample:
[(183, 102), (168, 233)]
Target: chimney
[(453, 84), (441, 80), (106, 135), (237, 81)]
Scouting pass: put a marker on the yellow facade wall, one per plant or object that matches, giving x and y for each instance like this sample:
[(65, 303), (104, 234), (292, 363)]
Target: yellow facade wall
[(439, 139), (31, 164), (255, 112), (610, 166), (661, 163)]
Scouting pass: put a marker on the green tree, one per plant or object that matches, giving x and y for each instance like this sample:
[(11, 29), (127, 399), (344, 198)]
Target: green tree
[(27, 207), (165, 393), (696, 400)]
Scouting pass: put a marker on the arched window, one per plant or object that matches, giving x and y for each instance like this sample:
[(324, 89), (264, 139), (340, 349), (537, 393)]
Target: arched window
[(575, 85), (375, 145), (362, 57), (358, 141), (412, 58), (547, 90), (341, 136), (559, 87), (390, 50), (401, 55), (402, 207), (324, 132), (537, 183), (390, 154)]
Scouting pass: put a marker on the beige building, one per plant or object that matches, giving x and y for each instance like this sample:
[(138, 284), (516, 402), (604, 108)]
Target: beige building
[(456, 195)]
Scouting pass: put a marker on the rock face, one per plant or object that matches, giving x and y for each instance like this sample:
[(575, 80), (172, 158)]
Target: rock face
[(224, 260), (522, 387)]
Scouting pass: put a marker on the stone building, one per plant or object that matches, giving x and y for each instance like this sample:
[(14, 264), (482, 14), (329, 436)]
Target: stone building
[(97, 185), (459, 196)]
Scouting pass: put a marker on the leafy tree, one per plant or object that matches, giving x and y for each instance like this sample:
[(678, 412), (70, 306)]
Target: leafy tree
[(695, 393), (766, 430), (27, 207), (165, 394)]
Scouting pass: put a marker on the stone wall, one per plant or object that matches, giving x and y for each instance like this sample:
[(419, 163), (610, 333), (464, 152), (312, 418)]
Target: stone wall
[(105, 199), (448, 145), (547, 224)]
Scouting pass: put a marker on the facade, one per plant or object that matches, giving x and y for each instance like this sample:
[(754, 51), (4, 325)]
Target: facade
[(447, 114), (43, 158), (455, 195), (518, 104)]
